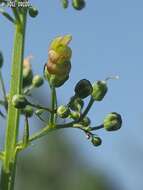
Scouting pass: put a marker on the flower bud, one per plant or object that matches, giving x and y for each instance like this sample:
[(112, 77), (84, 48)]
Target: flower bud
[(63, 111), (27, 72), (83, 88), (65, 3), (76, 104), (1, 60), (28, 111), (75, 115), (19, 101), (96, 141), (37, 81), (99, 90), (58, 66), (78, 4), (33, 12), (112, 121), (85, 122)]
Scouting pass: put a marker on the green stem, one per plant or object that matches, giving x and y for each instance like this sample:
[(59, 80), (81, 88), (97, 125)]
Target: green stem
[(53, 102), (8, 169), (87, 108)]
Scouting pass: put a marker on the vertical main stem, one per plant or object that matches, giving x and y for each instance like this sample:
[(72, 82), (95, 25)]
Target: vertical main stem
[(8, 169)]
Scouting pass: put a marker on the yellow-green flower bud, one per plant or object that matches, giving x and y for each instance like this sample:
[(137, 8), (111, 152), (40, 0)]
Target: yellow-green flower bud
[(112, 121), (37, 81), (75, 115), (96, 141), (63, 111), (99, 90), (1, 60), (33, 12), (78, 4), (83, 88), (19, 101), (58, 66), (28, 111)]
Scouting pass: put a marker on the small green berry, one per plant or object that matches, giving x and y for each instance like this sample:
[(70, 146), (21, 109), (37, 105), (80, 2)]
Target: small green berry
[(75, 115), (33, 12), (83, 88), (1, 60), (96, 141), (28, 111), (37, 81), (63, 111), (65, 3), (99, 90), (112, 121), (78, 4), (19, 101)]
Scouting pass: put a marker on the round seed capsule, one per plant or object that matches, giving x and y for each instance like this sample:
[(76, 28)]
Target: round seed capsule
[(19, 101), (96, 141), (83, 88), (112, 122), (33, 12), (78, 4)]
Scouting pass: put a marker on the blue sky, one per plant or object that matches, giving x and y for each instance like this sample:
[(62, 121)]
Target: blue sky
[(107, 40)]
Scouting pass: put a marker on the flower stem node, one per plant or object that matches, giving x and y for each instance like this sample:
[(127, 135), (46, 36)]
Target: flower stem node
[(37, 81), (78, 4), (28, 111), (112, 121), (99, 90), (83, 88), (63, 111), (19, 101), (96, 141), (1, 60), (33, 12)]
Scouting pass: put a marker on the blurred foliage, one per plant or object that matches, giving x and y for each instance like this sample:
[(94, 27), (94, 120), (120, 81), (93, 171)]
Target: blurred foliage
[(54, 164)]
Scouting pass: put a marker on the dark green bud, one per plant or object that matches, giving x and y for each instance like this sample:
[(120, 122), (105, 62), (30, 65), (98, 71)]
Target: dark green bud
[(78, 4), (19, 101), (83, 88), (1, 60), (27, 77), (33, 12), (76, 104), (112, 121), (75, 115), (65, 3), (37, 81), (28, 111), (85, 122), (96, 141), (99, 90), (63, 111)]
